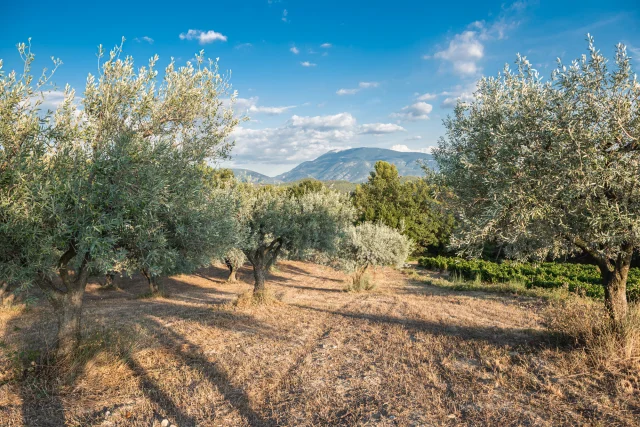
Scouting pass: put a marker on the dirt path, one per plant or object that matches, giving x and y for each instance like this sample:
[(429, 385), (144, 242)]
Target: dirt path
[(406, 354)]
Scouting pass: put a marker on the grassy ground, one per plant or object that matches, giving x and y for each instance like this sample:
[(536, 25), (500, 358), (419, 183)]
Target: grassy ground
[(413, 352)]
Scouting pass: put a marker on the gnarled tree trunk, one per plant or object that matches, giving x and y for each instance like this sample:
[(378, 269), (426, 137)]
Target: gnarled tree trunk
[(259, 275), (614, 273), (262, 259), (233, 270), (615, 291), (154, 288)]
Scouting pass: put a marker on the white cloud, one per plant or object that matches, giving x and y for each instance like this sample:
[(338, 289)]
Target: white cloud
[(417, 111), (144, 39), (326, 45), (250, 105), (302, 138), (426, 96), (244, 46), (459, 93), (380, 128), (203, 37), (337, 121), (271, 111), (361, 85), (413, 138), (404, 149), (466, 49), (51, 99), (299, 139), (295, 50), (347, 91), (464, 52), (308, 64), (284, 16)]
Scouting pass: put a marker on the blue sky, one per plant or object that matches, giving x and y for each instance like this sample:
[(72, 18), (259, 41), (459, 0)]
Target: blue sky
[(318, 76)]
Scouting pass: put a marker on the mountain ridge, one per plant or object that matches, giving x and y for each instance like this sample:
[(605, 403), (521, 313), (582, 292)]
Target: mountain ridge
[(353, 165)]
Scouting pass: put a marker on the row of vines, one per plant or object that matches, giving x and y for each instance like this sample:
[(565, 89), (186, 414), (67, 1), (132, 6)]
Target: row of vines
[(578, 278)]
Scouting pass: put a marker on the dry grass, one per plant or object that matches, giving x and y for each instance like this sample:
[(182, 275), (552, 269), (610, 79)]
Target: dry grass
[(405, 354)]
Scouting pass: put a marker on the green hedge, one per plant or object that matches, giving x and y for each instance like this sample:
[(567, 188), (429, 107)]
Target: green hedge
[(579, 278)]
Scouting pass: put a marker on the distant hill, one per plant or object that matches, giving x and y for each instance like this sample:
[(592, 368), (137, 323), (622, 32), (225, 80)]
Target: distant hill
[(246, 175), (355, 164)]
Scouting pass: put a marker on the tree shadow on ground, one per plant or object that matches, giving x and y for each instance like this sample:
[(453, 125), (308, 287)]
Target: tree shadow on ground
[(34, 378), (43, 393), (491, 335), (194, 358), (292, 269), (311, 288)]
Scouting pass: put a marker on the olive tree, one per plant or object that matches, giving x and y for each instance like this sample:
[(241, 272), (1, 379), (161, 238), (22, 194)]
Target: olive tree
[(370, 245), (274, 222), (234, 259), (113, 182), (551, 167)]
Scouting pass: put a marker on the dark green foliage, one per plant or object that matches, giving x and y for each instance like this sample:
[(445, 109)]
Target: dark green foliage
[(305, 186), (218, 178), (582, 279), (408, 207)]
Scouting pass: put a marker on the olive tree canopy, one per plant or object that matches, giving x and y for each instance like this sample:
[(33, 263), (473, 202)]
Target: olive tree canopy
[(113, 183), (273, 222), (371, 245), (551, 167)]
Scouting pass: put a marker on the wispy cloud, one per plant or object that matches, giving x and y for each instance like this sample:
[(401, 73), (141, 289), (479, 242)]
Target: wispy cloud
[(459, 93), (285, 13), (326, 45), (203, 37), (413, 112), (347, 91), (271, 111), (404, 149), (250, 105), (144, 39), (361, 85), (308, 64), (380, 128), (243, 46), (295, 50), (425, 96)]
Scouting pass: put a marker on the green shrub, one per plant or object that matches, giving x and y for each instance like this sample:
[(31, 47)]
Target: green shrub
[(577, 278)]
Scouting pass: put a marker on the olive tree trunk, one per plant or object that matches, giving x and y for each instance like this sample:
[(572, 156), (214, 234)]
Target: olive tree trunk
[(615, 292), (233, 270), (614, 274), (261, 260), (259, 274), (154, 288)]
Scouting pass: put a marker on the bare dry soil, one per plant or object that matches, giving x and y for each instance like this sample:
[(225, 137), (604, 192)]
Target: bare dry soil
[(405, 354)]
